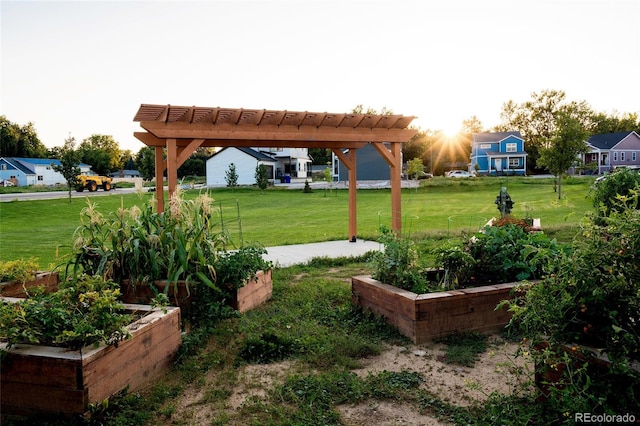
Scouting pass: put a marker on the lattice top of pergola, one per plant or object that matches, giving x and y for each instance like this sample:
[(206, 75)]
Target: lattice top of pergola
[(262, 127)]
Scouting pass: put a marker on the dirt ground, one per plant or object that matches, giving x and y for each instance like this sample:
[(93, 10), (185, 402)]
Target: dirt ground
[(454, 384)]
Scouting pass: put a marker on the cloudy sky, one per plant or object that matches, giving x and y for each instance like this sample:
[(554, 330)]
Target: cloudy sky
[(83, 67)]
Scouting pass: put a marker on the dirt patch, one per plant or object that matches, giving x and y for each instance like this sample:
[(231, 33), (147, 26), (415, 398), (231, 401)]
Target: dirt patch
[(457, 385)]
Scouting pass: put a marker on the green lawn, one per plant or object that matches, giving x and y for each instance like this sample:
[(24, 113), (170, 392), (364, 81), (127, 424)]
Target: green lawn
[(443, 207)]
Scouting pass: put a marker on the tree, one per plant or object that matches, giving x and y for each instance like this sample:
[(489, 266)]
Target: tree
[(472, 125), (69, 161), (415, 169), (566, 143), (20, 141), (231, 176), (102, 152), (327, 175), (537, 119), (616, 122), (262, 178), (320, 155), (146, 162)]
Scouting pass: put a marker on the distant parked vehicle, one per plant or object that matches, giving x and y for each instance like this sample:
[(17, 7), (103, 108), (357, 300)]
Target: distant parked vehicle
[(92, 183), (6, 183), (460, 174)]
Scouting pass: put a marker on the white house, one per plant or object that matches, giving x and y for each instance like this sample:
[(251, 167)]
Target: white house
[(282, 164), (34, 171)]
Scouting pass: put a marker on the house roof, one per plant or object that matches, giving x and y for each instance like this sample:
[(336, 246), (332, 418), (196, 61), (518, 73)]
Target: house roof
[(494, 136), (18, 165), (607, 140), (249, 151)]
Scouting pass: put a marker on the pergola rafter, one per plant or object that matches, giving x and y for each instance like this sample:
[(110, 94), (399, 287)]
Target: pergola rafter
[(180, 130)]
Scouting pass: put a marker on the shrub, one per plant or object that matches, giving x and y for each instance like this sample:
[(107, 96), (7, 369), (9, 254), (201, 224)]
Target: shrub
[(615, 191), (590, 299), (21, 270), (398, 263)]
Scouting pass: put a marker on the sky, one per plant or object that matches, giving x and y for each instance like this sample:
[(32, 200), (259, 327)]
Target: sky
[(78, 68)]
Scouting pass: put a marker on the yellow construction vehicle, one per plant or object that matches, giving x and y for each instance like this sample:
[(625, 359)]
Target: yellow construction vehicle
[(92, 183)]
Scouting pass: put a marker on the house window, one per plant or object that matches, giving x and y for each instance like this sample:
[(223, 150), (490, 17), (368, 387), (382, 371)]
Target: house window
[(633, 156), (40, 177), (485, 146), (615, 156), (594, 157), (622, 156), (511, 147), (514, 163), (3, 167)]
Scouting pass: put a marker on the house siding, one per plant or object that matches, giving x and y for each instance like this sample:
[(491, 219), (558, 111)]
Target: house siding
[(369, 166), (489, 152), (218, 165)]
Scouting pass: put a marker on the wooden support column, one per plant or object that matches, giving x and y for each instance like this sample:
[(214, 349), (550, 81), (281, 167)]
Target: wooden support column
[(160, 167), (172, 166), (350, 163), (393, 157)]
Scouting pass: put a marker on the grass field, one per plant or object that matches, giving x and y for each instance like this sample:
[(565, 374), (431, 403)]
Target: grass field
[(441, 208)]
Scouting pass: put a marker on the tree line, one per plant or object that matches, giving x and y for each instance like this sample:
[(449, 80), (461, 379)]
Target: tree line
[(543, 121)]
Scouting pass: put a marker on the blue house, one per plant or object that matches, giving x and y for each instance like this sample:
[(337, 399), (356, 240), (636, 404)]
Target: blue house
[(498, 153)]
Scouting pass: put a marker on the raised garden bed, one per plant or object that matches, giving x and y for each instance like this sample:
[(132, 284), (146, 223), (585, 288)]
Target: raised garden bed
[(49, 280), (429, 316), (47, 379), (252, 294)]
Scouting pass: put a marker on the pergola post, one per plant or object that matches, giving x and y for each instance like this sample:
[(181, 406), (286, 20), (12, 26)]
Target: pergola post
[(159, 162), (349, 161), (393, 157)]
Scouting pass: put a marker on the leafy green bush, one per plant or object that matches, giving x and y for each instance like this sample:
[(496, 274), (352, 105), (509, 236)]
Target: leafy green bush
[(398, 263), (615, 191), (510, 253), (82, 312), (21, 270), (591, 299)]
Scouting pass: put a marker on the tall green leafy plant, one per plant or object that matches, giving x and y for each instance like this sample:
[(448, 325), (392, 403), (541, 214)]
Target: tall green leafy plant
[(143, 245)]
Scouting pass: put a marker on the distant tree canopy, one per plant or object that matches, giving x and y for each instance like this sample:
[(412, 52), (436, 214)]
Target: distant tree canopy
[(145, 162), (20, 141), (538, 120), (102, 153)]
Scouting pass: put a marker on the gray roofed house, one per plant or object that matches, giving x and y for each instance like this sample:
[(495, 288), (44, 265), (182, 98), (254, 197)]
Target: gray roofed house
[(611, 150)]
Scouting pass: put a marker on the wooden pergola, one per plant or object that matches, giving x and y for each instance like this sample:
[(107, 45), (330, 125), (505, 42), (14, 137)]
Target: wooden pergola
[(181, 129)]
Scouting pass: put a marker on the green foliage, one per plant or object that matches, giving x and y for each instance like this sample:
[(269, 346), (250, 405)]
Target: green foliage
[(458, 266), (20, 141), (564, 146), (615, 192), (82, 312), (510, 253), (102, 152), (416, 168), (590, 299), (69, 161), (231, 176), (398, 263), (262, 177), (143, 246), (145, 162), (233, 268), (20, 270)]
